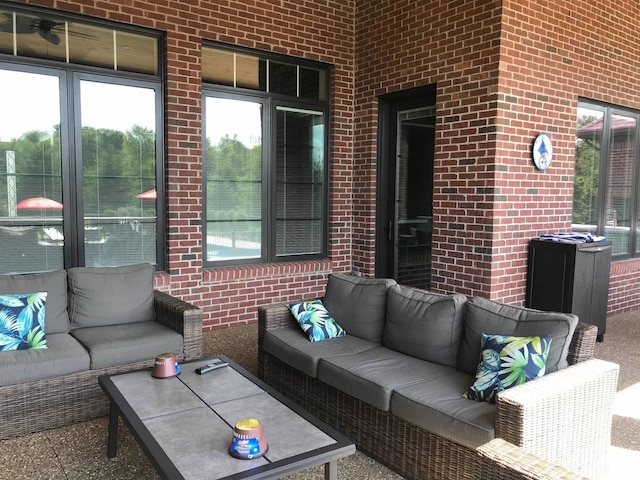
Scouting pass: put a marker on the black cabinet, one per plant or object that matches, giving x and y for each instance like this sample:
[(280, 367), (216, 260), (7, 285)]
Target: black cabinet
[(570, 278)]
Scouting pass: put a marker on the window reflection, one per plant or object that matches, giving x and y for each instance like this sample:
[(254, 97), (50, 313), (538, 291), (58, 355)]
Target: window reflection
[(30, 174), (234, 179), (118, 165)]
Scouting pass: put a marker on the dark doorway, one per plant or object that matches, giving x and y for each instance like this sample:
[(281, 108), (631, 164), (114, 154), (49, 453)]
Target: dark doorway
[(405, 186)]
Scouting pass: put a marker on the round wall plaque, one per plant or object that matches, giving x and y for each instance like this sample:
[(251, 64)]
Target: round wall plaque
[(542, 151)]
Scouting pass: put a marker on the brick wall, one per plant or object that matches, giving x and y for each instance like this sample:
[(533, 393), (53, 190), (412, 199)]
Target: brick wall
[(505, 71), (314, 30)]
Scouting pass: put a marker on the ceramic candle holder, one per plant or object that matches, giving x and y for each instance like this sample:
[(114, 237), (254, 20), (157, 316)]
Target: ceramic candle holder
[(165, 366), (248, 439)]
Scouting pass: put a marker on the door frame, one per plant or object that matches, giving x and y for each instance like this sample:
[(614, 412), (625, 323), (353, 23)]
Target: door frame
[(388, 107)]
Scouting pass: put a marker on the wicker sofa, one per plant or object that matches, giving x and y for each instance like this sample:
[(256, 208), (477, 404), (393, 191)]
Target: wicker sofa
[(423, 429), (97, 321)]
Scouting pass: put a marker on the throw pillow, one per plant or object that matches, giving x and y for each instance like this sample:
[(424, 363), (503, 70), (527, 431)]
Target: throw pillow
[(315, 321), (22, 321), (484, 315), (506, 362)]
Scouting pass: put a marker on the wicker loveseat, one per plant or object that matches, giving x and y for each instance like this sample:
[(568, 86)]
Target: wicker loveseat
[(97, 321), (425, 430)]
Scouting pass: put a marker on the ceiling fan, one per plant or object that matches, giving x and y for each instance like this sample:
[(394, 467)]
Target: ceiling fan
[(48, 29)]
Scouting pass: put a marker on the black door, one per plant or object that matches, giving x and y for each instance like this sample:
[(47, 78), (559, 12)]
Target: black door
[(405, 187)]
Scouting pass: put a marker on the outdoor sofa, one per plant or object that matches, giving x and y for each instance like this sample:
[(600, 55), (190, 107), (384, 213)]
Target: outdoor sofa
[(394, 382), (96, 321)]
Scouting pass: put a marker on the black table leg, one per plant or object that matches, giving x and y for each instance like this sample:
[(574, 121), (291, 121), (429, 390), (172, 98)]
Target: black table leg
[(331, 470), (112, 441)]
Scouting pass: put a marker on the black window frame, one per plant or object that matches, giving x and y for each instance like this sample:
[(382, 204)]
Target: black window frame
[(608, 111), (70, 75), (271, 102)]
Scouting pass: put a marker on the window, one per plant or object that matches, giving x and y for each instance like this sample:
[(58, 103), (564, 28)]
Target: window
[(265, 181), (605, 198), (80, 157)]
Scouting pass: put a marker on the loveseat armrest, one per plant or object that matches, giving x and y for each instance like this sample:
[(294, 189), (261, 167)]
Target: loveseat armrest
[(501, 460), (182, 317), (583, 343), (564, 417), (275, 315)]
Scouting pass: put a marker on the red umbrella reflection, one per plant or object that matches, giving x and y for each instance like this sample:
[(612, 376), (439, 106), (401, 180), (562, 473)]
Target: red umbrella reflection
[(39, 203), (148, 195)]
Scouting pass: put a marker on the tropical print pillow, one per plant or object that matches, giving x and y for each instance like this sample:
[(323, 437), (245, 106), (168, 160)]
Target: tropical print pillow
[(22, 321), (315, 321), (506, 362)]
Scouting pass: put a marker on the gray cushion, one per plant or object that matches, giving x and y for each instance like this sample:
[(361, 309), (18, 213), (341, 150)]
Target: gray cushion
[(56, 319), (372, 375), (437, 406), (423, 324), (291, 346), (492, 318), (63, 356), (113, 345), (110, 295), (358, 304)]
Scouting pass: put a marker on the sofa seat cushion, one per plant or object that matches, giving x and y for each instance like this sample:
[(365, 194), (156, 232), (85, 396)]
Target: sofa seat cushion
[(110, 295), (358, 304), (493, 318), (374, 374), (437, 406), (423, 324), (56, 319), (113, 345), (291, 346), (64, 356)]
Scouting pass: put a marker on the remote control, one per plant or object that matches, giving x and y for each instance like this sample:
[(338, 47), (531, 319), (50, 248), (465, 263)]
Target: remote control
[(217, 363)]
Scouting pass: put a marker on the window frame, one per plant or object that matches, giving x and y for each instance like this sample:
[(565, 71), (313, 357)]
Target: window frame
[(603, 178), (70, 75), (271, 102)]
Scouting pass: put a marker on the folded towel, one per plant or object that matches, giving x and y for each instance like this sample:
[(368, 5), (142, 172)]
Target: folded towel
[(572, 237)]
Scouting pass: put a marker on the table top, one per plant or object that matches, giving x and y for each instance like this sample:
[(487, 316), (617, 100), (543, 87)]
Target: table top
[(185, 423)]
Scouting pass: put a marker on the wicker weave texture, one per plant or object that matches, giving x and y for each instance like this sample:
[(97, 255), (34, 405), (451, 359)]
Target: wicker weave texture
[(501, 460), (51, 403), (564, 417), (414, 452)]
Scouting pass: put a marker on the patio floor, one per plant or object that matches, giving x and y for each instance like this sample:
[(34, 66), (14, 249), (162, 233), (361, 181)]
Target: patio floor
[(79, 451)]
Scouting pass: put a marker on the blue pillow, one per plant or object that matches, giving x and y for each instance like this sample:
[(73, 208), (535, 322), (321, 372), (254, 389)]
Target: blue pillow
[(22, 321), (315, 321), (506, 362)]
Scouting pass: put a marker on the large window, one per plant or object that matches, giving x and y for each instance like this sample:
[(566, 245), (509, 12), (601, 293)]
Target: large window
[(606, 184), (80, 157), (265, 182)]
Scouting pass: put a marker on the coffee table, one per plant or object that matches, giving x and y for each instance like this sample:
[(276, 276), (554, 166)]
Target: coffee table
[(184, 424)]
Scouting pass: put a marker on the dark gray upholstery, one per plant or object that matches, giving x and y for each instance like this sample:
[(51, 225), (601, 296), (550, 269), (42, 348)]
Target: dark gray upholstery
[(63, 356), (121, 344), (56, 319), (492, 318), (372, 375), (437, 405), (358, 304), (424, 325), (293, 347), (110, 295)]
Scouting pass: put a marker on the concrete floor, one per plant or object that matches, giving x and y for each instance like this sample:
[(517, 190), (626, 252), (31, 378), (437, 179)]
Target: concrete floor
[(79, 451)]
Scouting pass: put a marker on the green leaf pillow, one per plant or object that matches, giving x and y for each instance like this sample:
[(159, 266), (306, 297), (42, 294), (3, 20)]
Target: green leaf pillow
[(506, 362), (315, 321), (22, 321)]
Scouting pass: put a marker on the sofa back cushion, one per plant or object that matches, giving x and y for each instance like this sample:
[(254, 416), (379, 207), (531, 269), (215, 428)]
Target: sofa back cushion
[(110, 295), (492, 318), (358, 304), (56, 319), (424, 324)]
